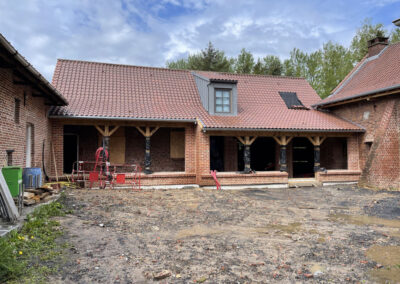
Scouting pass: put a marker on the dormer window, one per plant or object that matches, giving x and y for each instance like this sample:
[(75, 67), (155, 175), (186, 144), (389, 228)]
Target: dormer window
[(223, 100)]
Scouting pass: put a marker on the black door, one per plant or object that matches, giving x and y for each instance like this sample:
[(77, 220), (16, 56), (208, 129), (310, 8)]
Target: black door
[(303, 158), (70, 151), (217, 153)]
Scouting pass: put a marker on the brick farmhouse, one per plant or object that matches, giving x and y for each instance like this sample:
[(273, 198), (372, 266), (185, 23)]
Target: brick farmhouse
[(25, 99), (180, 124)]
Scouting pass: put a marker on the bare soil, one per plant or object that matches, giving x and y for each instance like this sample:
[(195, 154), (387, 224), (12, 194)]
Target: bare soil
[(329, 234)]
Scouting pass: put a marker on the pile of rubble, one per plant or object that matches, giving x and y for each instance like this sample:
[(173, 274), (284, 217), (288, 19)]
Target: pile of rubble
[(41, 194)]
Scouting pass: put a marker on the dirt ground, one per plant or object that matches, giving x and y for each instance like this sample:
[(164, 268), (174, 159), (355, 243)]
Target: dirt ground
[(330, 234)]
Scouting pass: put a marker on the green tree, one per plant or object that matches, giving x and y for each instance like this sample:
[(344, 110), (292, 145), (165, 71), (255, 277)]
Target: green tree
[(395, 35), (272, 65), (297, 64), (178, 64), (336, 64), (366, 32), (313, 68), (244, 63), (259, 67), (209, 59)]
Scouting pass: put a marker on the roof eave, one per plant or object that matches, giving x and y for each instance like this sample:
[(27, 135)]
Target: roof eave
[(81, 117), (282, 130), (376, 91)]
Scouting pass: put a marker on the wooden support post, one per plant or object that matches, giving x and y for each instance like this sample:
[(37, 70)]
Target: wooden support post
[(317, 141), (283, 141), (106, 133), (147, 133), (247, 141)]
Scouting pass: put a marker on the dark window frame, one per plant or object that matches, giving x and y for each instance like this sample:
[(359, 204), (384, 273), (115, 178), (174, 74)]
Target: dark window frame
[(222, 105), (17, 110)]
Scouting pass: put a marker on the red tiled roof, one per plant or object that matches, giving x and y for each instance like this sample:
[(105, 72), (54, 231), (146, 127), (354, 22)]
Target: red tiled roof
[(261, 107), (122, 91), (132, 92), (370, 76)]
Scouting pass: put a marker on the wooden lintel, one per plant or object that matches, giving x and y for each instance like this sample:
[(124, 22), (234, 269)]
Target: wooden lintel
[(316, 140), (141, 130), (100, 130), (283, 140), (241, 140), (246, 140), (147, 132), (252, 140), (113, 130), (154, 130)]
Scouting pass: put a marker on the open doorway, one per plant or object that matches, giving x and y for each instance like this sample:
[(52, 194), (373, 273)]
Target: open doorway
[(303, 158), (263, 154), (217, 153), (71, 155)]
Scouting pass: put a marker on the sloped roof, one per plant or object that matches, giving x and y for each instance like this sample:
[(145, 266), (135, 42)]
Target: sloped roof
[(122, 91), (261, 107), (372, 75), (101, 90)]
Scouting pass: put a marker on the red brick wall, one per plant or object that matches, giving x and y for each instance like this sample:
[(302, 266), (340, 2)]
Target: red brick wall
[(380, 165), (57, 139), (12, 134), (334, 153)]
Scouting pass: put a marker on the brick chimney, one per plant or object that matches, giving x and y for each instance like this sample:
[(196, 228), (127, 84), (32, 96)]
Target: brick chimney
[(376, 45)]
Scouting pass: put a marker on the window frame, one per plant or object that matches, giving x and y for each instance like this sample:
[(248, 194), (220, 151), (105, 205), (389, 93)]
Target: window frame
[(215, 100)]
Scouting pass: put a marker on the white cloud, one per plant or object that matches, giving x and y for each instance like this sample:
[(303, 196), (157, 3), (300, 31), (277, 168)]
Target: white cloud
[(150, 32)]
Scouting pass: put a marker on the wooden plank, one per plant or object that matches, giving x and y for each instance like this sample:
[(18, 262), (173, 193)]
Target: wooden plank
[(177, 145), (117, 147)]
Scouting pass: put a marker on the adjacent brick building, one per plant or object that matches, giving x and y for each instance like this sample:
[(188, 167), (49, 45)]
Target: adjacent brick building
[(25, 98), (370, 97)]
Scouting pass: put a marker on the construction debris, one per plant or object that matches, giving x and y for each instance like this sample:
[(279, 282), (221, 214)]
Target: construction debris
[(41, 194)]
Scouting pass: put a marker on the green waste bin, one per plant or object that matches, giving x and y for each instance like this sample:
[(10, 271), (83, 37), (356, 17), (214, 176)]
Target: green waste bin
[(13, 177)]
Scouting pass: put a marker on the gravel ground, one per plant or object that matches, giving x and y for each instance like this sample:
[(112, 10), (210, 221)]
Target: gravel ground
[(330, 234)]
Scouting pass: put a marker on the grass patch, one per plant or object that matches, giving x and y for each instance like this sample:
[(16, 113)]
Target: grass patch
[(30, 255)]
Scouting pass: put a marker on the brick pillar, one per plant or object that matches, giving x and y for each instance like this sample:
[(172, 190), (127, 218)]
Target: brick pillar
[(57, 140), (190, 150), (353, 156), (202, 154)]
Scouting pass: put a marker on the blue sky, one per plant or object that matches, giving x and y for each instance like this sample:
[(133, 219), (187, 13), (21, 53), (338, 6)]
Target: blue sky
[(146, 32)]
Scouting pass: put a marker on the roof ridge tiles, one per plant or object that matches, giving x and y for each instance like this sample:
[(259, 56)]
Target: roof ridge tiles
[(120, 64), (252, 75)]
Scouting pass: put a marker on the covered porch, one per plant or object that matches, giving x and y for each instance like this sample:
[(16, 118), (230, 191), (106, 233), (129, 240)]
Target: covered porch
[(162, 150), (279, 159)]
